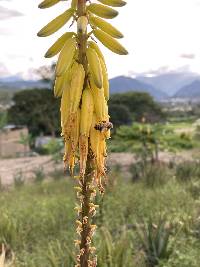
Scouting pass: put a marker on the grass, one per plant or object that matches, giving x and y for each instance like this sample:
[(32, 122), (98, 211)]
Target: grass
[(37, 222)]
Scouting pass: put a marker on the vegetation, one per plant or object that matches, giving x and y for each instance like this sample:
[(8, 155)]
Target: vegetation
[(170, 136), (34, 226), (37, 109), (139, 105), (149, 220), (3, 119), (155, 241), (120, 115), (6, 96)]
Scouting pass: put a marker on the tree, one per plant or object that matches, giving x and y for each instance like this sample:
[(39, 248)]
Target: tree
[(37, 109), (120, 115), (140, 105)]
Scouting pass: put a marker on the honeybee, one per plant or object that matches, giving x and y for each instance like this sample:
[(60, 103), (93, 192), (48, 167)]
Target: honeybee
[(103, 126)]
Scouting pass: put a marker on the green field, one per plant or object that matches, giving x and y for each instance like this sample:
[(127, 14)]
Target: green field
[(37, 221)]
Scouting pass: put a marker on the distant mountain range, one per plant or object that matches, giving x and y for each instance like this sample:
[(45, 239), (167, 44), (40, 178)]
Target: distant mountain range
[(161, 87), (122, 84), (14, 84), (190, 91), (170, 83)]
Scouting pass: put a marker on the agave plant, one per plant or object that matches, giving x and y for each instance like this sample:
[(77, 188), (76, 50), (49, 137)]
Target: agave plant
[(60, 255), (114, 252), (155, 240)]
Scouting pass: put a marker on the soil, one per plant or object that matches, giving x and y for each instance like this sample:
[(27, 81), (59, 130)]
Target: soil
[(26, 167)]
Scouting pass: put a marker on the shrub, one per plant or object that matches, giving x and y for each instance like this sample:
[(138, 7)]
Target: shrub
[(39, 175), (57, 173), (54, 148), (156, 175), (152, 175), (19, 179), (194, 189), (137, 171), (186, 171)]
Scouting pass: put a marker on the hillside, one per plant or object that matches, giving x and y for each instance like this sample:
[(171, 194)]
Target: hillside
[(118, 84), (123, 84), (189, 91), (13, 85), (183, 85), (170, 82)]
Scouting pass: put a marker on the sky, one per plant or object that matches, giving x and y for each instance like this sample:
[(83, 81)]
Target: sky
[(160, 35)]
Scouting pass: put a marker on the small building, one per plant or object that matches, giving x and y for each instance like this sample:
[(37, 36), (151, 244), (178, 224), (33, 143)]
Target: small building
[(11, 141)]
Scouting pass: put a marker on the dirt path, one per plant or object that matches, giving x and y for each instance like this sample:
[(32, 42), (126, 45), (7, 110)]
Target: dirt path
[(26, 167)]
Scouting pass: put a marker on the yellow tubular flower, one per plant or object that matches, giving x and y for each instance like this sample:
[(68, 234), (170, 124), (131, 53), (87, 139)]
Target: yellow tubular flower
[(77, 80), (105, 26), (48, 3), (94, 136), (67, 153), (58, 45), (115, 3), (94, 67), (99, 100), (105, 111), (61, 83), (110, 42), (64, 107), (105, 79), (83, 149), (103, 11), (66, 56), (56, 24), (94, 46), (75, 131), (87, 109)]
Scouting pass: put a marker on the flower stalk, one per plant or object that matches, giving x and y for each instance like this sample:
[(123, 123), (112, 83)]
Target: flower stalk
[(87, 193), (82, 83), (85, 228)]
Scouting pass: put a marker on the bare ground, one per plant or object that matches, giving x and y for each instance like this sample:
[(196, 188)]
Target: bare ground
[(27, 166)]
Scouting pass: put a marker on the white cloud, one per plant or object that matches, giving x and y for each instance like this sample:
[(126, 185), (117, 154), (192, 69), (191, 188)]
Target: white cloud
[(6, 13), (188, 56), (156, 34)]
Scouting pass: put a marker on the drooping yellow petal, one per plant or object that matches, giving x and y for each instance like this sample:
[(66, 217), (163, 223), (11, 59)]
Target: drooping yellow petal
[(83, 150)]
